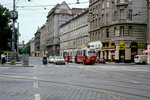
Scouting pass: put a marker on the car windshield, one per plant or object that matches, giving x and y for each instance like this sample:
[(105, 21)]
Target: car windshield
[(59, 57), (136, 57), (51, 57)]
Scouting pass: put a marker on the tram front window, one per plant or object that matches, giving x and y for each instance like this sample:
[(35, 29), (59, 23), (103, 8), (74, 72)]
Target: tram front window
[(91, 53)]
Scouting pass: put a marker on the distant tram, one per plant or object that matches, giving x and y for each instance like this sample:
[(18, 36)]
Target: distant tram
[(85, 56)]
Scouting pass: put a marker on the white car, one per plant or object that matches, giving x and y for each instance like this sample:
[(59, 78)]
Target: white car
[(59, 60), (140, 59), (51, 59)]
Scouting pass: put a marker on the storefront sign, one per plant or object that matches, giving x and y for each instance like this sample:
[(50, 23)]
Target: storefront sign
[(121, 43), (79, 47), (110, 47), (121, 47), (142, 47), (51, 50), (134, 46)]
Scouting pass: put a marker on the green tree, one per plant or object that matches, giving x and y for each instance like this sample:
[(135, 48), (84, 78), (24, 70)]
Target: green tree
[(26, 49), (5, 29)]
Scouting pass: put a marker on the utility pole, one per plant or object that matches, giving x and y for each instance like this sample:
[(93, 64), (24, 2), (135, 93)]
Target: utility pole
[(14, 16)]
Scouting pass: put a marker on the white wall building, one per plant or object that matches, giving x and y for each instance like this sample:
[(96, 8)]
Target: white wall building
[(74, 34)]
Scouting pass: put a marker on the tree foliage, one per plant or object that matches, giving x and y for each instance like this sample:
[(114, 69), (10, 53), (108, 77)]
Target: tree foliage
[(5, 29)]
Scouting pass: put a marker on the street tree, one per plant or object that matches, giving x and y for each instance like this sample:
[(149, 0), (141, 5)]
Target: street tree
[(5, 29)]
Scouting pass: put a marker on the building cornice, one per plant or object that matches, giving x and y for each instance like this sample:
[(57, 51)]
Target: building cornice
[(106, 26)]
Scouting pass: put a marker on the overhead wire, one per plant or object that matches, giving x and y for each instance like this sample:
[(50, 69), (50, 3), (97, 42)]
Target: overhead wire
[(52, 5)]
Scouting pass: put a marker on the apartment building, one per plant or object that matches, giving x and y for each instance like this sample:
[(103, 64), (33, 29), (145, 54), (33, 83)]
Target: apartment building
[(32, 47), (37, 43), (43, 40), (57, 16), (121, 26), (74, 34)]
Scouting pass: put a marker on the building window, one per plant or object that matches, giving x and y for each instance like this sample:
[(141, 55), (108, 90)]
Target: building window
[(115, 15), (107, 4), (122, 31), (107, 33), (107, 17), (122, 14), (130, 1), (130, 31), (103, 19), (122, 1), (130, 14), (117, 33), (103, 5), (102, 33)]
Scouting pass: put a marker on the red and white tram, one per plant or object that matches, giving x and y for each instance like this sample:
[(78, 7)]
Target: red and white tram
[(85, 56)]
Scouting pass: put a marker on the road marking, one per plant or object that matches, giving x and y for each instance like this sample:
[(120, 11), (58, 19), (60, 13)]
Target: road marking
[(17, 77), (37, 96), (110, 94), (35, 83)]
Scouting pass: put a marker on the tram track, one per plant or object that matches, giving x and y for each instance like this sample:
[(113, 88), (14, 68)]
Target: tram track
[(104, 90)]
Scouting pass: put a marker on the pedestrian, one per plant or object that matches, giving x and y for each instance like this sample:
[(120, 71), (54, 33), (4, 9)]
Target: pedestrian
[(3, 59), (45, 60), (76, 59), (67, 59)]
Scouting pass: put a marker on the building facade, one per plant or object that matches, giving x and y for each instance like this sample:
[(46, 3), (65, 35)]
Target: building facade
[(57, 16), (43, 41), (148, 35), (37, 43), (74, 34), (121, 26), (32, 47)]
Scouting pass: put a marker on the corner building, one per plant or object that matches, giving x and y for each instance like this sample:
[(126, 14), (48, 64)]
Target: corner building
[(57, 16), (121, 26)]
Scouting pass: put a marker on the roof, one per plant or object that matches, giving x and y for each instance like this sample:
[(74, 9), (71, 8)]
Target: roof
[(63, 11), (53, 9), (78, 10)]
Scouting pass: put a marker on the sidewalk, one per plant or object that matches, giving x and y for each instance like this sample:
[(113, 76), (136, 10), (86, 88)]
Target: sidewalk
[(18, 64)]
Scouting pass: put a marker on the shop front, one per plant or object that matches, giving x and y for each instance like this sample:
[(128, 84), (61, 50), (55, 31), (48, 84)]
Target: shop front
[(121, 52)]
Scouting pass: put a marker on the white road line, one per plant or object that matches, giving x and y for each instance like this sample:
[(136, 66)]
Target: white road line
[(37, 96), (35, 83), (17, 77)]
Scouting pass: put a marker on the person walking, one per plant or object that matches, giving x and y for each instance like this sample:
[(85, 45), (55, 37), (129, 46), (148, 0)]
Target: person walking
[(45, 60), (76, 59), (3, 59), (67, 59)]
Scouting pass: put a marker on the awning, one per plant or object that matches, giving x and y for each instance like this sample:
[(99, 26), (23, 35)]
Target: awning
[(146, 51)]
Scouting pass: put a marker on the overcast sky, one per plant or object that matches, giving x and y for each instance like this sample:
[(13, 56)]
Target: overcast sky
[(33, 14)]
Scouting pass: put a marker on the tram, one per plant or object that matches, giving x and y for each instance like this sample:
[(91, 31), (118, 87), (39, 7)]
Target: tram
[(85, 56)]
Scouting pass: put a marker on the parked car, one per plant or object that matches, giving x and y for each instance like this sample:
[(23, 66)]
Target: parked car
[(51, 59), (140, 59), (59, 60), (101, 60)]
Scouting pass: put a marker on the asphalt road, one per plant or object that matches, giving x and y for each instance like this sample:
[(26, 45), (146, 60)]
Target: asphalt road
[(108, 81)]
